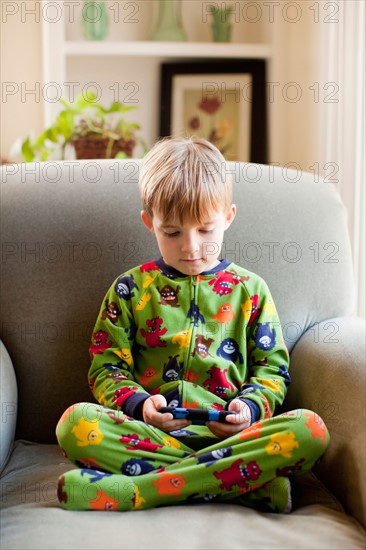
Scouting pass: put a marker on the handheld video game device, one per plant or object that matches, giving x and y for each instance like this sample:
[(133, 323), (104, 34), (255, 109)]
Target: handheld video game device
[(197, 416)]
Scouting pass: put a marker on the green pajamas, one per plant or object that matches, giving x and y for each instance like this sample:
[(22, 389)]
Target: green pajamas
[(152, 468), (201, 342)]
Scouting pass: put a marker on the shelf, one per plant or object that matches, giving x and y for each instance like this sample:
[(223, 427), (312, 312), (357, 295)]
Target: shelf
[(167, 49)]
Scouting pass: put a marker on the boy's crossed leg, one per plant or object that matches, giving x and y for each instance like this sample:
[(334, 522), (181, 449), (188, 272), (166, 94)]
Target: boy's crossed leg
[(166, 471)]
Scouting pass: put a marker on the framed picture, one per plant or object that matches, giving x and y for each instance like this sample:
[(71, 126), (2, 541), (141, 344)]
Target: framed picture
[(224, 102)]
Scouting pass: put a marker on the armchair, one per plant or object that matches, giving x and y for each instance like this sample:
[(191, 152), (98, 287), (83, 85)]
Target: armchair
[(68, 229)]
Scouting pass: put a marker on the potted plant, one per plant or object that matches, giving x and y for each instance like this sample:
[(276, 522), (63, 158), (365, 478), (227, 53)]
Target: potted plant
[(93, 130), (221, 27)]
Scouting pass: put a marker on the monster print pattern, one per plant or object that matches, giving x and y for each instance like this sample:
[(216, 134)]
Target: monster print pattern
[(144, 468), (201, 342)]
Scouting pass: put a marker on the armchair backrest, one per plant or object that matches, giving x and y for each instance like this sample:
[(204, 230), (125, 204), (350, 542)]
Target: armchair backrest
[(69, 228)]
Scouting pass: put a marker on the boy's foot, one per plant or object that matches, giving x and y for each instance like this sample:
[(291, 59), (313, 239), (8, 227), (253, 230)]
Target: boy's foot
[(274, 496), (85, 489), (284, 489)]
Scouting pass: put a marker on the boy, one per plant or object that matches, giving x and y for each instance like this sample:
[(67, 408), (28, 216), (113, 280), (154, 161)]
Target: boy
[(188, 330)]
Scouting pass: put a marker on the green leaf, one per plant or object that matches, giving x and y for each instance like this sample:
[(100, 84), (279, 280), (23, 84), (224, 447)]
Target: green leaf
[(41, 138), (127, 129), (44, 155), (85, 101), (66, 103), (27, 150), (121, 155), (65, 124), (49, 133), (52, 134), (118, 107)]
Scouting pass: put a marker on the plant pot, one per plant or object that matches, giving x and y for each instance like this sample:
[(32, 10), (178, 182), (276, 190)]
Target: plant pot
[(101, 148)]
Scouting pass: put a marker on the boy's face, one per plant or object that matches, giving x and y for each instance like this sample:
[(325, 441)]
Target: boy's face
[(189, 247)]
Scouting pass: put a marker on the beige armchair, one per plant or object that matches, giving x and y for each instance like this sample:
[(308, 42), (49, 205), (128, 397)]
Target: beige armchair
[(68, 229)]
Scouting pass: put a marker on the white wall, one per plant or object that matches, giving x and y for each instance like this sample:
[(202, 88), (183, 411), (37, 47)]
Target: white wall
[(294, 107), (21, 72)]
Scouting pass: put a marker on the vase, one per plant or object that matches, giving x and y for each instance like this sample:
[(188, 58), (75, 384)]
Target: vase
[(169, 23), (95, 20), (221, 32)]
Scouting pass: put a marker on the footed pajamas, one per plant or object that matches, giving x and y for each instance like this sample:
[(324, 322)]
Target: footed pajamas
[(200, 341)]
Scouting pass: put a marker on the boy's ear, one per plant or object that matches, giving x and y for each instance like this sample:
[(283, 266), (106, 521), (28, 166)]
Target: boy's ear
[(147, 221), (230, 216)]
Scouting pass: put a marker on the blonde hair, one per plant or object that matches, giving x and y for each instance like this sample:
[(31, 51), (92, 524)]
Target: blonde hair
[(182, 178)]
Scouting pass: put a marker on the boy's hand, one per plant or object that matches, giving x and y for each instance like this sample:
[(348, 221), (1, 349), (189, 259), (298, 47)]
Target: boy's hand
[(234, 423), (163, 421)]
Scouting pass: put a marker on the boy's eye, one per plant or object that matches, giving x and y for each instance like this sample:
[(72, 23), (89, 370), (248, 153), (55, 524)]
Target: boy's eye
[(177, 233)]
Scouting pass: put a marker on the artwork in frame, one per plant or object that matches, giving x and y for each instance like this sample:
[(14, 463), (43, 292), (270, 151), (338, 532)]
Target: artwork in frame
[(224, 102)]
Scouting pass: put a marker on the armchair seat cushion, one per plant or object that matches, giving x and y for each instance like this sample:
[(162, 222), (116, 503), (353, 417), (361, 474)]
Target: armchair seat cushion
[(29, 500)]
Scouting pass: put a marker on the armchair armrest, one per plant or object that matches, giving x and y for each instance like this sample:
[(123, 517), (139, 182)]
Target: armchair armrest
[(328, 376), (8, 403)]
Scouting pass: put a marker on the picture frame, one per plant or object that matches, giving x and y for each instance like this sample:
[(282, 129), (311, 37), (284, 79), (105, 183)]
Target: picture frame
[(224, 102)]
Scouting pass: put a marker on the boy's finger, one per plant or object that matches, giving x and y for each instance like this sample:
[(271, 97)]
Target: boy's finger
[(162, 417), (235, 418)]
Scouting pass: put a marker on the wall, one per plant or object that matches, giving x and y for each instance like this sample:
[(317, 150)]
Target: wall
[(294, 107), (21, 71)]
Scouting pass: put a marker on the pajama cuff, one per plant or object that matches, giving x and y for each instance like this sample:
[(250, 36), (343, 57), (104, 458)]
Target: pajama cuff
[(254, 409), (133, 405)]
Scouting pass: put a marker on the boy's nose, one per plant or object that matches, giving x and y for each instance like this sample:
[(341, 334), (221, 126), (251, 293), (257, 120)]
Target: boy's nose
[(190, 244)]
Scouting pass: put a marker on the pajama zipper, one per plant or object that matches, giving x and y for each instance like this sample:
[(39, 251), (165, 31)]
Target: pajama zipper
[(192, 338)]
